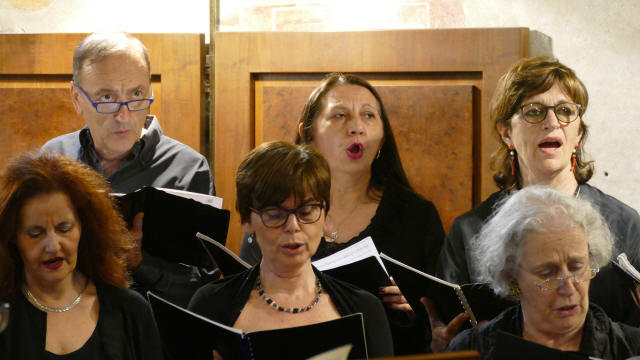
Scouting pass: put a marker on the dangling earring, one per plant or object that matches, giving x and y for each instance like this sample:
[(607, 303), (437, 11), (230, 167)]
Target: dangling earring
[(250, 238), (512, 154), (573, 159), (378, 156), (514, 289)]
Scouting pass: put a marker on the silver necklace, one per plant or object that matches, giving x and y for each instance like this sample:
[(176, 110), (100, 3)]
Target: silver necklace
[(46, 308), (333, 236), (294, 310)]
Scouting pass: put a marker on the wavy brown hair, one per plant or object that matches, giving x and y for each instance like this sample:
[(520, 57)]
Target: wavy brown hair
[(387, 168), (104, 236), (529, 77), (275, 170)]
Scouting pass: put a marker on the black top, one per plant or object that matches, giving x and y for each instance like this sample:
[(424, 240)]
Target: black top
[(601, 337), (606, 288), (223, 301), (90, 350), (407, 228), (125, 330)]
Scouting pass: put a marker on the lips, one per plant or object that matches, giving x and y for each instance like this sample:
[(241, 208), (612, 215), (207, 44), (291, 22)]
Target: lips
[(121, 132), (53, 263), (550, 144), (293, 248), (566, 310), (355, 150)]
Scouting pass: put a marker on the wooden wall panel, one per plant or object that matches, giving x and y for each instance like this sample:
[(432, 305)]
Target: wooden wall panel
[(35, 70), (245, 63)]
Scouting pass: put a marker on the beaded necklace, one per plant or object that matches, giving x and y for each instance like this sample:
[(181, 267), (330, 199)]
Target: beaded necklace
[(274, 305)]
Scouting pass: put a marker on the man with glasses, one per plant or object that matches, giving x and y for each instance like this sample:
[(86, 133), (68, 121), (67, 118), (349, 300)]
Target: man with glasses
[(111, 90)]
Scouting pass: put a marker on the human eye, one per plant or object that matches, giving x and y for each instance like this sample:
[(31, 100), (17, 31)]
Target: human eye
[(106, 98), (339, 115), (138, 93), (532, 110), (369, 115), (34, 231), (565, 109), (576, 266), (64, 227), (271, 214)]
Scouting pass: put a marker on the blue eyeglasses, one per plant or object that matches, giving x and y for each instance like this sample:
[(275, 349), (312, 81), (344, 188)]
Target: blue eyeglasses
[(113, 107)]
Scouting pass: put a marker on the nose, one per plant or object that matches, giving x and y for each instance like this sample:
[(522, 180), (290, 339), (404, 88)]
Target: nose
[(52, 243), (123, 113), (292, 225), (551, 120), (355, 126), (567, 285)]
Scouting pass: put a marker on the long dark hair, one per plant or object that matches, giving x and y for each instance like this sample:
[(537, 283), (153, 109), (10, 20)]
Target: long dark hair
[(386, 169)]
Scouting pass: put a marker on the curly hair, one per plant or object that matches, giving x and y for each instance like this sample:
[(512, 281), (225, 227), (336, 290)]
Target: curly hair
[(276, 170), (529, 77), (387, 168), (497, 248), (104, 236)]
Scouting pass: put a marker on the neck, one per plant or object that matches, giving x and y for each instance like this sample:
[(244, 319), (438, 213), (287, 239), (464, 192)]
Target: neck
[(570, 341), (299, 280), (347, 190), (58, 292), (564, 181), (110, 163)]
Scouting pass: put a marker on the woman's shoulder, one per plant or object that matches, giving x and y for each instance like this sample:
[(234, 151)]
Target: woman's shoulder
[(482, 338), (401, 197), (348, 296), (224, 293), (121, 297), (607, 204)]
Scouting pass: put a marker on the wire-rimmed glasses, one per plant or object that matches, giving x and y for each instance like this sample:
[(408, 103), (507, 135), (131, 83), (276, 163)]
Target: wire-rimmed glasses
[(535, 113), (276, 216), (583, 275), (113, 107)]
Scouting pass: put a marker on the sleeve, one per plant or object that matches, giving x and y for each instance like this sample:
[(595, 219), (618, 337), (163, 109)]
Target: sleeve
[(175, 282), (452, 263), (250, 251), (461, 342), (435, 238), (202, 180), (148, 344)]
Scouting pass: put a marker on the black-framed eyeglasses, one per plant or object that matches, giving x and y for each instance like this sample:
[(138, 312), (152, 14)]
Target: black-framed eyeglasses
[(113, 107), (535, 113), (276, 216), (580, 276)]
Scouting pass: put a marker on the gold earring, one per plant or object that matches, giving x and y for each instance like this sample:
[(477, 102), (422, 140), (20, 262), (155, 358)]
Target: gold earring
[(514, 289)]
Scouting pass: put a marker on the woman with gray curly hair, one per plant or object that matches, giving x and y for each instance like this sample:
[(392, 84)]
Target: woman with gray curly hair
[(543, 248)]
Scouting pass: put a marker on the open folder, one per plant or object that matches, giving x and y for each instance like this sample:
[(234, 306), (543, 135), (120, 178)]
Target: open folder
[(186, 334), (171, 220), (449, 299)]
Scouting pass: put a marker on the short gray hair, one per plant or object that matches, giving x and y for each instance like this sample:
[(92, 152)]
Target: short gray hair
[(97, 46), (497, 249)]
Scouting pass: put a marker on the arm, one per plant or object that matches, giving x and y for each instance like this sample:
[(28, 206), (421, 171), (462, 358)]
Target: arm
[(202, 180)]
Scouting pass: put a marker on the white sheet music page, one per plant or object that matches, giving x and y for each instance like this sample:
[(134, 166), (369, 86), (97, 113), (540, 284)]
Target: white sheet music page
[(356, 252), (201, 198)]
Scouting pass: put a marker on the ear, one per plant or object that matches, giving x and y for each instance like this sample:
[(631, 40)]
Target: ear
[(301, 132), (247, 228), (75, 98), (505, 133)]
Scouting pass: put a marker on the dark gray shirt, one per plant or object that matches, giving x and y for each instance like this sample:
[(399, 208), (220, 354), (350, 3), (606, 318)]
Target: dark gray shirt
[(155, 160)]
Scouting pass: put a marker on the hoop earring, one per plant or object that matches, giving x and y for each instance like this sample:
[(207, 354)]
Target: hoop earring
[(573, 159), (512, 154)]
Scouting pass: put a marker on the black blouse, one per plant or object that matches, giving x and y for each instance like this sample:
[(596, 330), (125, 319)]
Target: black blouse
[(223, 301)]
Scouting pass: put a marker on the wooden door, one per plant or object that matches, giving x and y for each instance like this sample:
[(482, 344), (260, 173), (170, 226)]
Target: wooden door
[(435, 85), (35, 71)]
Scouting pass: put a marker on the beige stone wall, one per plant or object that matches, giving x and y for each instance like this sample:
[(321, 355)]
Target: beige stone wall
[(597, 38)]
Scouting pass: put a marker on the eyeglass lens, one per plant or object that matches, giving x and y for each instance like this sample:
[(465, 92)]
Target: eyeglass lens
[(276, 216), (113, 107), (535, 113), (554, 283)]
